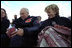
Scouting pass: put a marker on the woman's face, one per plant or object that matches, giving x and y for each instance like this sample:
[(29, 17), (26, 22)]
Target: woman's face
[(51, 13), (2, 13)]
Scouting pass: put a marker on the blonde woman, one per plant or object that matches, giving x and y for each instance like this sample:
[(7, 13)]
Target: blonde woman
[(54, 17)]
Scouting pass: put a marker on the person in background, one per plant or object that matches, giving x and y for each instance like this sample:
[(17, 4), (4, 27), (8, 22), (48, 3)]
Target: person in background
[(4, 25), (39, 18), (15, 18)]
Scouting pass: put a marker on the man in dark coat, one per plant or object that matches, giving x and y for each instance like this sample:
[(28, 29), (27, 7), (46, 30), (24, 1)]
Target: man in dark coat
[(26, 35)]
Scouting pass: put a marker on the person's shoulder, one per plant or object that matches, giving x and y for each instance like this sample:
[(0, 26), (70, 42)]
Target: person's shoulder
[(18, 19), (64, 18), (45, 21), (34, 17), (7, 20)]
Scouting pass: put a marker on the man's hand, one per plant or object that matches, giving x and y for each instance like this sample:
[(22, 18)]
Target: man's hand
[(20, 32)]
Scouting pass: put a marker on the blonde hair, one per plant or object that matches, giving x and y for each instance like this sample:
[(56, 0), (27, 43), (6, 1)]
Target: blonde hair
[(54, 7)]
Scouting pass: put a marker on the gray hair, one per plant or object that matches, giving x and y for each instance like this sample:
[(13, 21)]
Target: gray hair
[(26, 10)]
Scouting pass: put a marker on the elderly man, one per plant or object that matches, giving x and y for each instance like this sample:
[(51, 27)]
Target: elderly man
[(26, 35)]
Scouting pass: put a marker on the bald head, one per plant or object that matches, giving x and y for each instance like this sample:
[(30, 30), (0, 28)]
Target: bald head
[(24, 12)]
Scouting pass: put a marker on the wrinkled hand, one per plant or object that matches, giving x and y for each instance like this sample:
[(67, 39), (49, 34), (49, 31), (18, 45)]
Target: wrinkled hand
[(62, 27), (18, 32), (11, 34)]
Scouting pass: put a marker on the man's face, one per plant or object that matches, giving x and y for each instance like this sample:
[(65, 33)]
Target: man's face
[(2, 13), (51, 13), (23, 13)]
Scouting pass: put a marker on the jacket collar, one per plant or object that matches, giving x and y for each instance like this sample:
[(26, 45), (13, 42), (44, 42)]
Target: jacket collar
[(25, 18), (54, 18)]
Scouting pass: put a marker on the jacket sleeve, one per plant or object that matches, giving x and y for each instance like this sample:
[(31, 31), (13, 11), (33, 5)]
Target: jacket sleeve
[(30, 31), (67, 22), (5, 25)]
